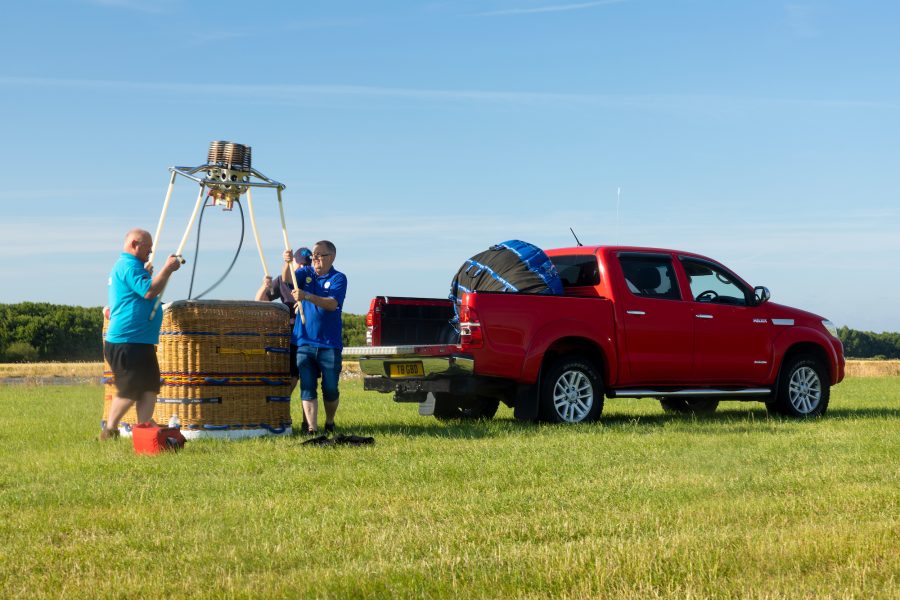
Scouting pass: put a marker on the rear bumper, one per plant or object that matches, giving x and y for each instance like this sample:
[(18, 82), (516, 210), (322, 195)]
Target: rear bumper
[(437, 360), (432, 366)]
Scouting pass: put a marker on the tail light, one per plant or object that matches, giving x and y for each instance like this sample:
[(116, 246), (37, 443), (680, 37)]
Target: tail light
[(470, 334), (373, 323)]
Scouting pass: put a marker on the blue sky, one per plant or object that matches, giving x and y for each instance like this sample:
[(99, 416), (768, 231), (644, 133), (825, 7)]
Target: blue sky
[(415, 134)]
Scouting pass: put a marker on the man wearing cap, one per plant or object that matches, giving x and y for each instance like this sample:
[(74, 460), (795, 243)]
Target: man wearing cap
[(280, 289), (321, 291), (130, 342)]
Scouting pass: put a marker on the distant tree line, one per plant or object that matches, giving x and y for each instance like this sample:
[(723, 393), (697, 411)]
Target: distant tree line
[(865, 344), (38, 331)]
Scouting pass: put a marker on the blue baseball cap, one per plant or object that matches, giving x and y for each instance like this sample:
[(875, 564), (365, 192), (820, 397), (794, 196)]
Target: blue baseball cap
[(303, 256)]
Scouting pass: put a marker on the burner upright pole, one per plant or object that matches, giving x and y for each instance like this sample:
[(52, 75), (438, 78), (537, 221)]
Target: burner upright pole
[(287, 246), (162, 217), (256, 233), (184, 239)]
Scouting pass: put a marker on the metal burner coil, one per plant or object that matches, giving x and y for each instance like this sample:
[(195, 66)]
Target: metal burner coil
[(229, 155)]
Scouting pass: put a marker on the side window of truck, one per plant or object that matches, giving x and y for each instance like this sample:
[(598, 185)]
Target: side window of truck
[(650, 276), (712, 284), (577, 270)]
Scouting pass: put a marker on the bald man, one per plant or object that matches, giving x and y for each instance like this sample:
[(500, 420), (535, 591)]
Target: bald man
[(130, 343)]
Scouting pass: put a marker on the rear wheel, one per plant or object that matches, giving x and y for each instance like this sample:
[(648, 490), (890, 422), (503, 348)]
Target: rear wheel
[(448, 406), (803, 388), (571, 391), (696, 406)]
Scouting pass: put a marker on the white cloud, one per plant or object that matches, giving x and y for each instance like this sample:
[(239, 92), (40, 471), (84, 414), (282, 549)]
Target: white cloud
[(830, 264), (204, 37), (144, 6), (297, 93), (801, 20), (548, 8)]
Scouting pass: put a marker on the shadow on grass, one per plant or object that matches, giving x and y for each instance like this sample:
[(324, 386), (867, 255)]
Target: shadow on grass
[(740, 419), (476, 429), (451, 429), (863, 413)]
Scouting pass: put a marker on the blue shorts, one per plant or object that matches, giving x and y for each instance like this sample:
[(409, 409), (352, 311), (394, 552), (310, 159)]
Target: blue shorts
[(314, 362)]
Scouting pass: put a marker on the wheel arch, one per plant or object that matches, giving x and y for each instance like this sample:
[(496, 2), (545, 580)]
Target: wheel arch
[(577, 345), (565, 337), (803, 340), (804, 348)]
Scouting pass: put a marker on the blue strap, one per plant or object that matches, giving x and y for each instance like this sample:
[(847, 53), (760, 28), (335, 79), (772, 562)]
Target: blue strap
[(537, 262)]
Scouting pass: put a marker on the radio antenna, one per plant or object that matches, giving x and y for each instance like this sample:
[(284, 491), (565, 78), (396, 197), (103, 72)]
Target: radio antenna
[(618, 198), (576, 237)]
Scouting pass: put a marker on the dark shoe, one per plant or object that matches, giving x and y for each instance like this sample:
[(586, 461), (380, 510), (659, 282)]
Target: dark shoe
[(321, 440), (329, 427), (108, 434), (354, 440)]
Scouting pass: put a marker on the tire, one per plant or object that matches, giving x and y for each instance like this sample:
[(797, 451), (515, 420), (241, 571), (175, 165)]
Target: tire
[(694, 406), (803, 388), (571, 391), (448, 407)]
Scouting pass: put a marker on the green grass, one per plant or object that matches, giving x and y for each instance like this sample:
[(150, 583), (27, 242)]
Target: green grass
[(640, 505)]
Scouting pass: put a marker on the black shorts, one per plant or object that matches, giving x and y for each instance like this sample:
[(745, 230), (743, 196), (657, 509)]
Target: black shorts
[(295, 368), (134, 368)]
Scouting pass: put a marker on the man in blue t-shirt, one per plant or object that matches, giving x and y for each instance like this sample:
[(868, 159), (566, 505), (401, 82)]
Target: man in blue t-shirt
[(130, 343), (321, 292)]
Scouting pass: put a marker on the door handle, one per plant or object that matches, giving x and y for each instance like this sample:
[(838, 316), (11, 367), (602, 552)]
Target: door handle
[(635, 312), (704, 316)]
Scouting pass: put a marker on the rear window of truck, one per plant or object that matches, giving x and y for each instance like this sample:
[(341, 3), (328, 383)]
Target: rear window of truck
[(577, 270)]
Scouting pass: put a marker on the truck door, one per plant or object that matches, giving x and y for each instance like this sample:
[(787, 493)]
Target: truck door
[(657, 323), (732, 337)]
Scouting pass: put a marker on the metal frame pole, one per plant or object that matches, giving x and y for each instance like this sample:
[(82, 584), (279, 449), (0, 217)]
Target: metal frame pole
[(287, 246), (184, 239), (162, 217), (262, 258)]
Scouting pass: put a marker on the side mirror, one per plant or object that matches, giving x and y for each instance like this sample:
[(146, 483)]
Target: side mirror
[(761, 294)]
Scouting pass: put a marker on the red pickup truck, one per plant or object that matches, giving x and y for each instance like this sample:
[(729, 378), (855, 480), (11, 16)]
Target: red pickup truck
[(633, 322)]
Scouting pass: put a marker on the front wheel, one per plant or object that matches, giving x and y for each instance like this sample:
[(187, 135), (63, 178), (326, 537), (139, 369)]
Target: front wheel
[(803, 388), (571, 391)]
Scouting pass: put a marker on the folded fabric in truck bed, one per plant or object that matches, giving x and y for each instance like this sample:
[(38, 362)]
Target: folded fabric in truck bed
[(512, 266)]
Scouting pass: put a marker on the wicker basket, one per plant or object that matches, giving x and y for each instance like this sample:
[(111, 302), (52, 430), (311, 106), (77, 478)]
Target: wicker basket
[(225, 369)]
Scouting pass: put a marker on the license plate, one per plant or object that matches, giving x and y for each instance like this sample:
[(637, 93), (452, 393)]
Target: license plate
[(410, 369)]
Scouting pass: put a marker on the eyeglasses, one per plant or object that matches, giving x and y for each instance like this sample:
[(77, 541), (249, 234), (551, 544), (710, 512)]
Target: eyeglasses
[(320, 256)]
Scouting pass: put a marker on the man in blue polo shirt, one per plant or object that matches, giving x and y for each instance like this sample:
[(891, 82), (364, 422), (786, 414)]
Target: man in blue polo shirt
[(321, 291), (131, 338), (280, 289)]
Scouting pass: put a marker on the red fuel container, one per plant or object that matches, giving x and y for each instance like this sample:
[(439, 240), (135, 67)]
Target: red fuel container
[(153, 439)]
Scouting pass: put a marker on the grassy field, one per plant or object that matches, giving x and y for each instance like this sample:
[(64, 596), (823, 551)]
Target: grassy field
[(640, 505)]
